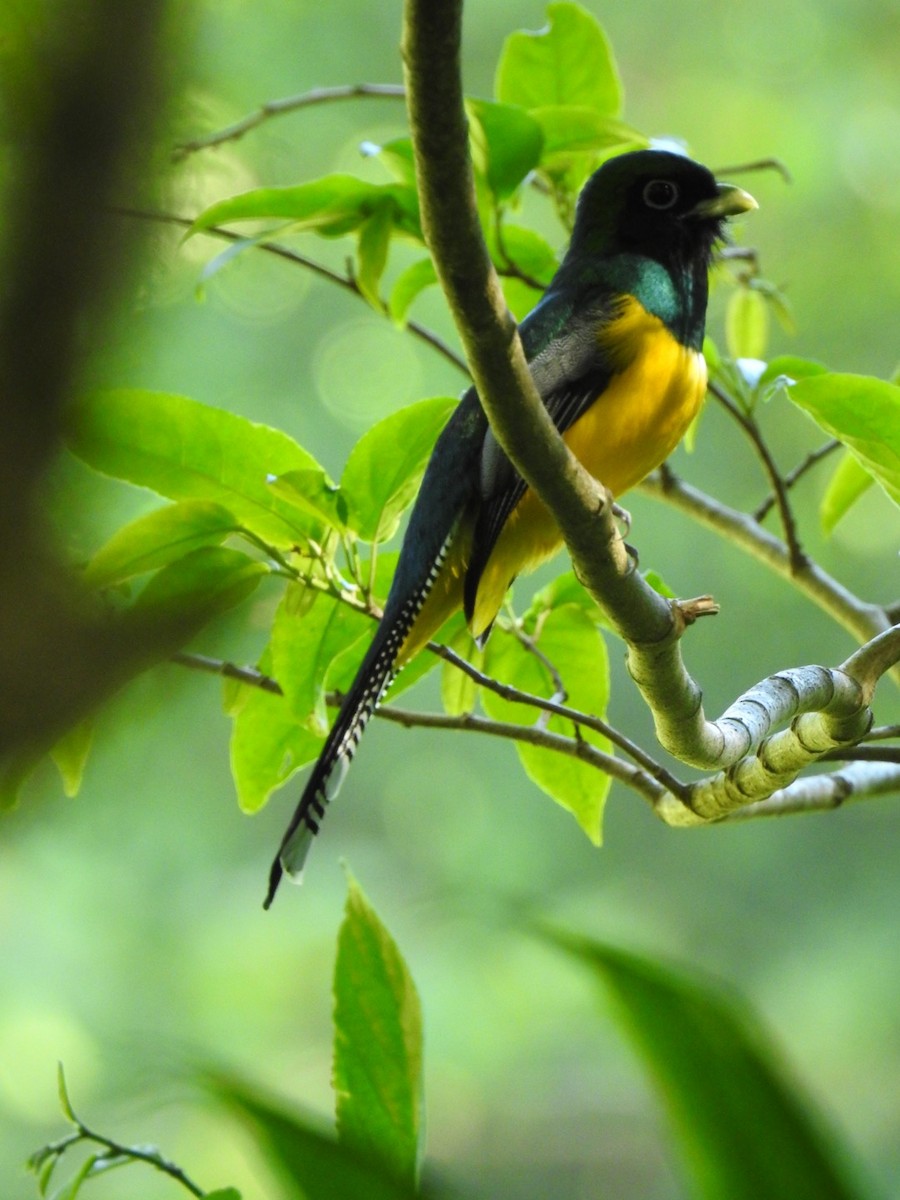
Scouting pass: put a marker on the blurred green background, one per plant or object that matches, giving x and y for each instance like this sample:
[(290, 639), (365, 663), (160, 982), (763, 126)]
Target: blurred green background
[(132, 937)]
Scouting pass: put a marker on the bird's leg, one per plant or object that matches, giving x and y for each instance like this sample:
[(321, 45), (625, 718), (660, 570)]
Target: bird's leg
[(623, 515)]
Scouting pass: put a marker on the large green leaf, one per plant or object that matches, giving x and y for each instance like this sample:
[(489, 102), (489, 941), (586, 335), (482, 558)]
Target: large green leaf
[(570, 61), (570, 640), (377, 1044), (744, 1130), (190, 451), (573, 128), (864, 413), (386, 465), (160, 537), (848, 482), (305, 1155), (333, 205), (506, 145)]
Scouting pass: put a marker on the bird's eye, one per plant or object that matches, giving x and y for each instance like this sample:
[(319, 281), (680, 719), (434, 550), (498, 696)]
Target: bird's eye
[(660, 194)]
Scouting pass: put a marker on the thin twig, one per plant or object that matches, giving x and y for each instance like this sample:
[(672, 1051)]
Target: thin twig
[(532, 735), (796, 555), (792, 477), (277, 108), (344, 281), (254, 678)]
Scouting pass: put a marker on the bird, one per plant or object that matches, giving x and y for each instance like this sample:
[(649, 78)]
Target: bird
[(615, 351)]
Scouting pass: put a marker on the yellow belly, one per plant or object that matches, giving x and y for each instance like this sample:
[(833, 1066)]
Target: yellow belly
[(632, 427)]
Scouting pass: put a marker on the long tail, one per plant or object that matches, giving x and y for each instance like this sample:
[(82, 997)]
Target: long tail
[(451, 480), (375, 675)]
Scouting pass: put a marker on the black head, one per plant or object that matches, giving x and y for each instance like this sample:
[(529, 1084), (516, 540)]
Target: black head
[(655, 204)]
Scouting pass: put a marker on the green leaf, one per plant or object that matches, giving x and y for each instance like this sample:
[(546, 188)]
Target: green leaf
[(407, 287), (790, 368), (386, 465), (506, 145), (333, 205), (200, 586), (372, 250), (746, 323), (864, 413), (228, 1193), (268, 744), (574, 128), (849, 481), (70, 755), (301, 1152), (313, 492), (564, 589), (570, 61), (458, 690), (189, 451), (397, 155), (160, 537), (304, 647), (522, 249), (570, 640), (377, 1044), (743, 1128)]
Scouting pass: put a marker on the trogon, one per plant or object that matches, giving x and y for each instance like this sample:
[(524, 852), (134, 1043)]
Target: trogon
[(615, 350)]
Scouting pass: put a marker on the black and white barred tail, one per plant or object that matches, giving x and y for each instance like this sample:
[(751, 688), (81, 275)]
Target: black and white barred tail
[(374, 677)]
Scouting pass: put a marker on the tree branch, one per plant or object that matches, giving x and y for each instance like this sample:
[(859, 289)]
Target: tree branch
[(859, 618), (277, 108)]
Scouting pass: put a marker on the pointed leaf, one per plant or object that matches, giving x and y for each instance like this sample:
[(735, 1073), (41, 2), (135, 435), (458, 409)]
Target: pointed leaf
[(70, 755), (160, 537), (372, 251), (407, 286), (190, 451), (377, 1044), (864, 413), (386, 465), (849, 481), (570, 61), (742, 1126)]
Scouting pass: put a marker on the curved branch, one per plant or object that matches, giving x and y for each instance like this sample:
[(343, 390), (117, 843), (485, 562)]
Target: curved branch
[(819, 793)]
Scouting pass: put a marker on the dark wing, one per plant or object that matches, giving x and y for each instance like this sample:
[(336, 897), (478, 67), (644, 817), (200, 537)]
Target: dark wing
[(570, 372), (450, 481)]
